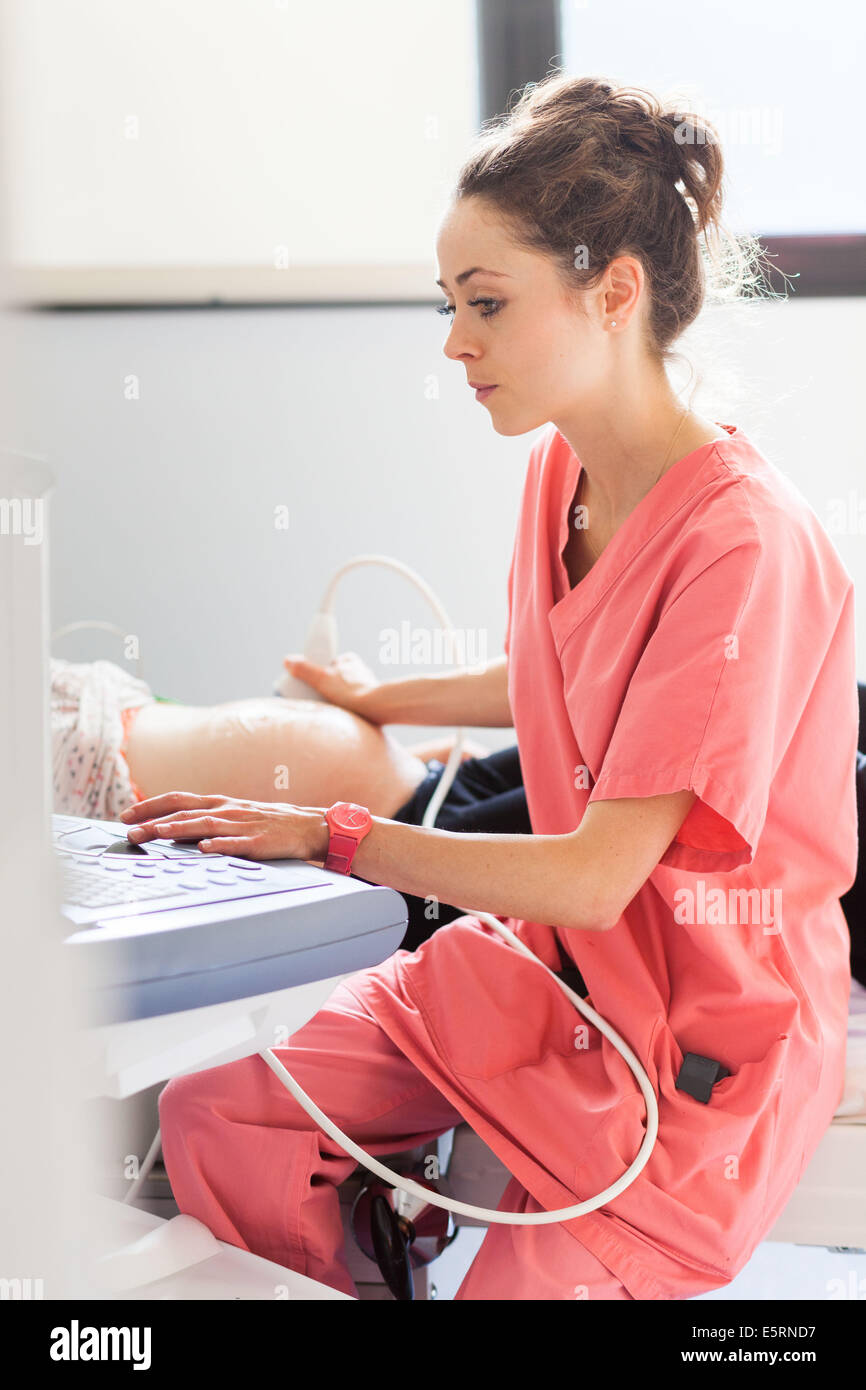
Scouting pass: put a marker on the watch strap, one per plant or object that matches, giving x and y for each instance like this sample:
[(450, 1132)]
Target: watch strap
[(341, 852)]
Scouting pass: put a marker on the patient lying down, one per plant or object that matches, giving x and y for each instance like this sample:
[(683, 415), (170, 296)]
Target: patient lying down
[(271, 749), (114, 743)]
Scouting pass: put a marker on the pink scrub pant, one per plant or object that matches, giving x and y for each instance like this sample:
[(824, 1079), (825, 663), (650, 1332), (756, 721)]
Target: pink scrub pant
[(245, 1159)]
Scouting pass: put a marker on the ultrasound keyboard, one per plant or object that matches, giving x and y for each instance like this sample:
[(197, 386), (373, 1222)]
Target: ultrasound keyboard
[(163, 928), (104, 876)]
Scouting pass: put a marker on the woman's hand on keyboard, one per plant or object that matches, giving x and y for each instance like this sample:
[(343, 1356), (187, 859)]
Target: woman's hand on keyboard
[(346, 681), (227, 825)]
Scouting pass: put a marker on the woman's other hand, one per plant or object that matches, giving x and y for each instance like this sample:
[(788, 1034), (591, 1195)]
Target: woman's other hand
[(226, 825), (346, 681)]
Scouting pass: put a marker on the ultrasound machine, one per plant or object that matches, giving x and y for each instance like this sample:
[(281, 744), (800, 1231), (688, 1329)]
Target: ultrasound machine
[(193, 960)]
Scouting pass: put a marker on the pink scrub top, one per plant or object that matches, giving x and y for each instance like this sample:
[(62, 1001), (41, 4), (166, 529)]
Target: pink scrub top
[(711, 647)]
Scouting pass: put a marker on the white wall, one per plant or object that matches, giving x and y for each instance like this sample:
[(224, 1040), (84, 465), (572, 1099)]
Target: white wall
[(163, 514)]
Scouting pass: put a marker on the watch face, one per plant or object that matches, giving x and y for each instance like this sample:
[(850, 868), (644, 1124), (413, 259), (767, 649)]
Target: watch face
[(351, 817)]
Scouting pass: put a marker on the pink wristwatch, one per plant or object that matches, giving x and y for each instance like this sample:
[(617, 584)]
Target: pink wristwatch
[(348, 823)]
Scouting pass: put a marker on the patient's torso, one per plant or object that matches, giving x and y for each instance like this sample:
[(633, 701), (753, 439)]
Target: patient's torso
[(271, 749)]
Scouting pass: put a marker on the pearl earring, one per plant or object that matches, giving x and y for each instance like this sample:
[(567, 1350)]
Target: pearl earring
[(613, 323)]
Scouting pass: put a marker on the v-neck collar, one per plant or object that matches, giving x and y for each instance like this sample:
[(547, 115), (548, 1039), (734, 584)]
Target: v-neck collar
[(651, 512)]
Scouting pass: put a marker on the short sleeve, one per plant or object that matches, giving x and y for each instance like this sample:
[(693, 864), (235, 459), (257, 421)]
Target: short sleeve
[(713, 701)]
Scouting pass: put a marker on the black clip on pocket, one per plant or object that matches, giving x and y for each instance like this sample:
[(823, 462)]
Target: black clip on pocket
[(698, 1075)]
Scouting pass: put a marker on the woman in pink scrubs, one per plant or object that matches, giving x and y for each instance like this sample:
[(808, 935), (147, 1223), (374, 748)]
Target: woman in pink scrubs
[(680, 673)]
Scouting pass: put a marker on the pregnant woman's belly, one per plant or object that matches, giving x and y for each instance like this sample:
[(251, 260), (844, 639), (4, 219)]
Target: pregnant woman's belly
[(271, 749)]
